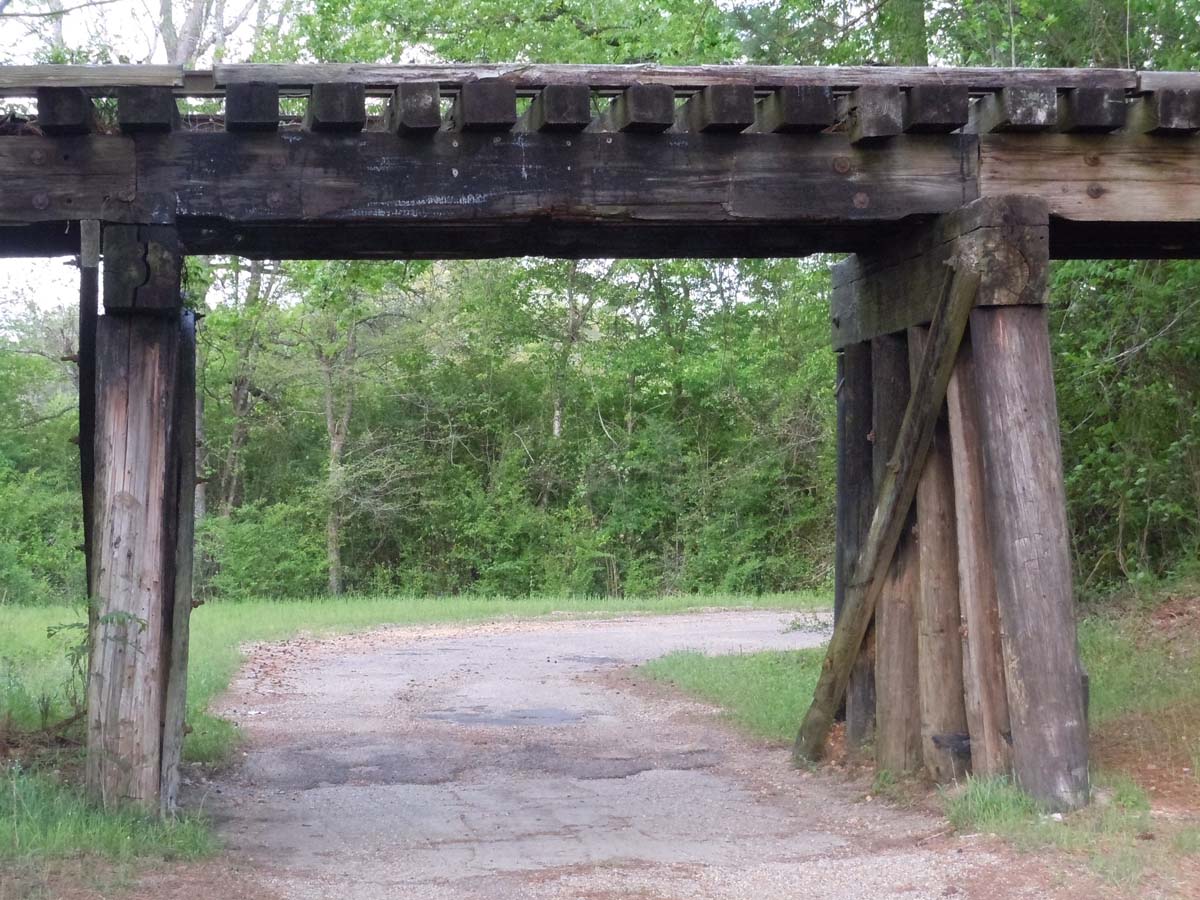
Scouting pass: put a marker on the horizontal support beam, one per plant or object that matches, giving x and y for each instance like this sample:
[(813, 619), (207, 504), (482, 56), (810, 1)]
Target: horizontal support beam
[(896, 285), (23, 81), (480, 178), (1097, 178), (532, 76)]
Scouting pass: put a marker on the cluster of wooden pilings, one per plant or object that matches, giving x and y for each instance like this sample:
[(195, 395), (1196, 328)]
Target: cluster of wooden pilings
[(955, 642), (137, 439)]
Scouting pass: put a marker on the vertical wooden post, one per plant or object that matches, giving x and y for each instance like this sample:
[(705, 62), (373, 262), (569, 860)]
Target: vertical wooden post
[(89, 310), (855, 504), (897, 713), (1027, 522), (983, 662), (134, 537), (939, 644), (175, 706)]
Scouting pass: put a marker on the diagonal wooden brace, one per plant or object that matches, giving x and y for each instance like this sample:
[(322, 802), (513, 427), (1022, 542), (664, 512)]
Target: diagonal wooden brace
[(895, 494)]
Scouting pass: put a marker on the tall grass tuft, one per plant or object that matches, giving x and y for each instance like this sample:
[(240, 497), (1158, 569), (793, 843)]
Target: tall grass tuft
[(42, 818)]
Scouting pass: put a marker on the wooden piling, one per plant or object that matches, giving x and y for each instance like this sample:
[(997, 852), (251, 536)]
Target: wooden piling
[(180, 608), (897, 711), (135, 535), (855, 502), (983, 663), (939, 643), (1027, 522)]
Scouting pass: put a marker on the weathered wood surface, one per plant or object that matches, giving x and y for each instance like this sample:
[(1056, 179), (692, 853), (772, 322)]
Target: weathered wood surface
[(89, 310), (1092, 110), (531, 76), (178, 615), (897, 706), (855, 500), (796, 109), (1006, 240), (336, 108), (23, 81), (136, 382), (473, 178), (939, 640), (1027, 523), (983, 662), (1106, 178), (895, 496), (1015, 109), (142, 268), (51, 179), (557, 107), (872, 113)]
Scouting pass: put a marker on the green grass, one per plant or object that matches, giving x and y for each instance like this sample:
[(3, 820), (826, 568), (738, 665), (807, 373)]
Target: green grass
[(42, 818), (766, 693), (1113, 834)]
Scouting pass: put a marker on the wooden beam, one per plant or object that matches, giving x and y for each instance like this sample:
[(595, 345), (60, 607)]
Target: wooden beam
[(895, 287), (725, 108), (22, 81), (559, 107), (796, 109), (983, 663), (89, 310), (1110, 178), (1166, 112), (415, 108), (65, 111), (534, 76), (1015, 109), (133, 538), (855, 499), (57, 179), (897, 694), (336, 107), (943, 714), (1091, 110), (179, 611), (872, 113), (1027, 523), (146, 109), (936, 108), (496, 180), (252, 106), (489, 105), (895, 496), (142, 269), (641, 109)]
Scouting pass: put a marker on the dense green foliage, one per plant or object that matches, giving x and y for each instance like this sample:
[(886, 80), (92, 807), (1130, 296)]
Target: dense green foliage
[(604, 427)]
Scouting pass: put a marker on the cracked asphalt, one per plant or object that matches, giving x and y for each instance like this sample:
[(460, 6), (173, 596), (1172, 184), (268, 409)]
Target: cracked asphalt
[(522, 760)]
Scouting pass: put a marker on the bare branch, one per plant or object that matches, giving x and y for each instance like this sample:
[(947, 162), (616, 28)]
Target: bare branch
[(46, 14)]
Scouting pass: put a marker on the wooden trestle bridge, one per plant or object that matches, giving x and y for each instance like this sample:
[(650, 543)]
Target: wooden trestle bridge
[(955, 642)]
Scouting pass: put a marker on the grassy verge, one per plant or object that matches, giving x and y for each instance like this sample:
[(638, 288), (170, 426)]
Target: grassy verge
[(765, 693), (1144, 663), (41, 818)]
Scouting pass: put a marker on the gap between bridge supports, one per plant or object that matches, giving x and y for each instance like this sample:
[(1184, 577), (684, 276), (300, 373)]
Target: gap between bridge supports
[(142, 485), (991, 511)]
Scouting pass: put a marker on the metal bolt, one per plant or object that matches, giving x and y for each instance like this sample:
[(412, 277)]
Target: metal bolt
[(861, 200), (37, 157), (841, 165), (41, 201)]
